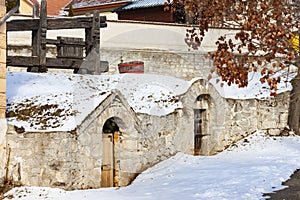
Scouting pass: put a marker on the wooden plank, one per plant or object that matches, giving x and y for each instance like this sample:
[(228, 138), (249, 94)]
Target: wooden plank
[(61, 63), (43, 35), (64, 50), (54, 23), (72, 23), (22, 61), (22, 25), (69, 43)]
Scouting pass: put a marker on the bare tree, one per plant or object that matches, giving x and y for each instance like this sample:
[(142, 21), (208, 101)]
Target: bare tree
[(266, 41)]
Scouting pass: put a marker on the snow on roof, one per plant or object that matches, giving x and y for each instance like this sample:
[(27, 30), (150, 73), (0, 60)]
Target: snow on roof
[(142, 4), (255, 89), (62, 101)]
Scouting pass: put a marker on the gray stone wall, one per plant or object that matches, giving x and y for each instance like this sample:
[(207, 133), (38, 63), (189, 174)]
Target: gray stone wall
[(2, 90), (55, 159), (246, 116), (185, 65), (72, 160)]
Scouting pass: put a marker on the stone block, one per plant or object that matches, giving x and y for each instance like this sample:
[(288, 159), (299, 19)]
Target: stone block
[(2, 40), (96, 151), (129, 166), (2, 104), (3, 54), (2, 92), (84, 139), (129, 144), (266, 124), (273, 132), (2, 8), (2, 71), (96, 139), (95, 174), (2, 113), (3, 29)]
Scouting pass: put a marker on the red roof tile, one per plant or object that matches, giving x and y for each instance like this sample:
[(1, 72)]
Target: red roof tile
[(54, 6), (33, 2)]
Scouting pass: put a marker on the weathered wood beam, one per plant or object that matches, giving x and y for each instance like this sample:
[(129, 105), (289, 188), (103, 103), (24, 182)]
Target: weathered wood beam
[(22, 25), (96, 41), (23, 61), (60, 63), (72, 23), (43, 35), (54, 23), (69, 43)]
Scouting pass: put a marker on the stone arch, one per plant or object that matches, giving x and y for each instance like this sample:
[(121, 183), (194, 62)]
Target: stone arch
[(202, 95), (125, 123)]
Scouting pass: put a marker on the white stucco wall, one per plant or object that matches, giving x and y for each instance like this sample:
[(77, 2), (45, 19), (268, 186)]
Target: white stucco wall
[(132, 35)]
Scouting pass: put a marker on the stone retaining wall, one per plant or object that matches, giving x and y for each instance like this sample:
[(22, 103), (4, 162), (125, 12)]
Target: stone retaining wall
[(2, 90), (246, 116), (185, 65), (73, 160), (55, 159), (2, 61)]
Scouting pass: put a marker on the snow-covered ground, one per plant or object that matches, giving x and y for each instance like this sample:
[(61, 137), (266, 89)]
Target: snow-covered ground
[(256, 165)]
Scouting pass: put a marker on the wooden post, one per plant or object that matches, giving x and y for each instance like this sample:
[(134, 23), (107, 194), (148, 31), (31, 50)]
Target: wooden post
[(88, 41), (43, 34), (35, 11), (35, 39), (96, 41), (92, 44)]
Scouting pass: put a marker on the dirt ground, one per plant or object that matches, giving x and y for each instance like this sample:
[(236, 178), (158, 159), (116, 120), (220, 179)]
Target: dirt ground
[(290, 193)]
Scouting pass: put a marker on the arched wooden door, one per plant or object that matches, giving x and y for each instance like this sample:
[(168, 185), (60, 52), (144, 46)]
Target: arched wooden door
[(109, 170), (107, 167), (199, 121)]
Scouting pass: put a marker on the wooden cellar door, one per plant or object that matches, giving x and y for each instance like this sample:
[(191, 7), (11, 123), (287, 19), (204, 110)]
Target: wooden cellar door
[(199, 118), (107, 167)]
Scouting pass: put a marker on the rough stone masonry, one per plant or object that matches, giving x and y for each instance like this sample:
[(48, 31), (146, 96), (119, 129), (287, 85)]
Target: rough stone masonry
[(2, 89)]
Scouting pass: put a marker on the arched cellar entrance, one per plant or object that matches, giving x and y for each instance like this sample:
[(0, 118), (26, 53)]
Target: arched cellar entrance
[(109, 167), (201, 122)]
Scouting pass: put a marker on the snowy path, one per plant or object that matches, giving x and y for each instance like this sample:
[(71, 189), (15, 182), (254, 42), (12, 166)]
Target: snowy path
[(258, 165)]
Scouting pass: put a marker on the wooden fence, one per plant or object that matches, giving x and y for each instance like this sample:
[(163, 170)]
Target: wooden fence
[(69, 50)]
